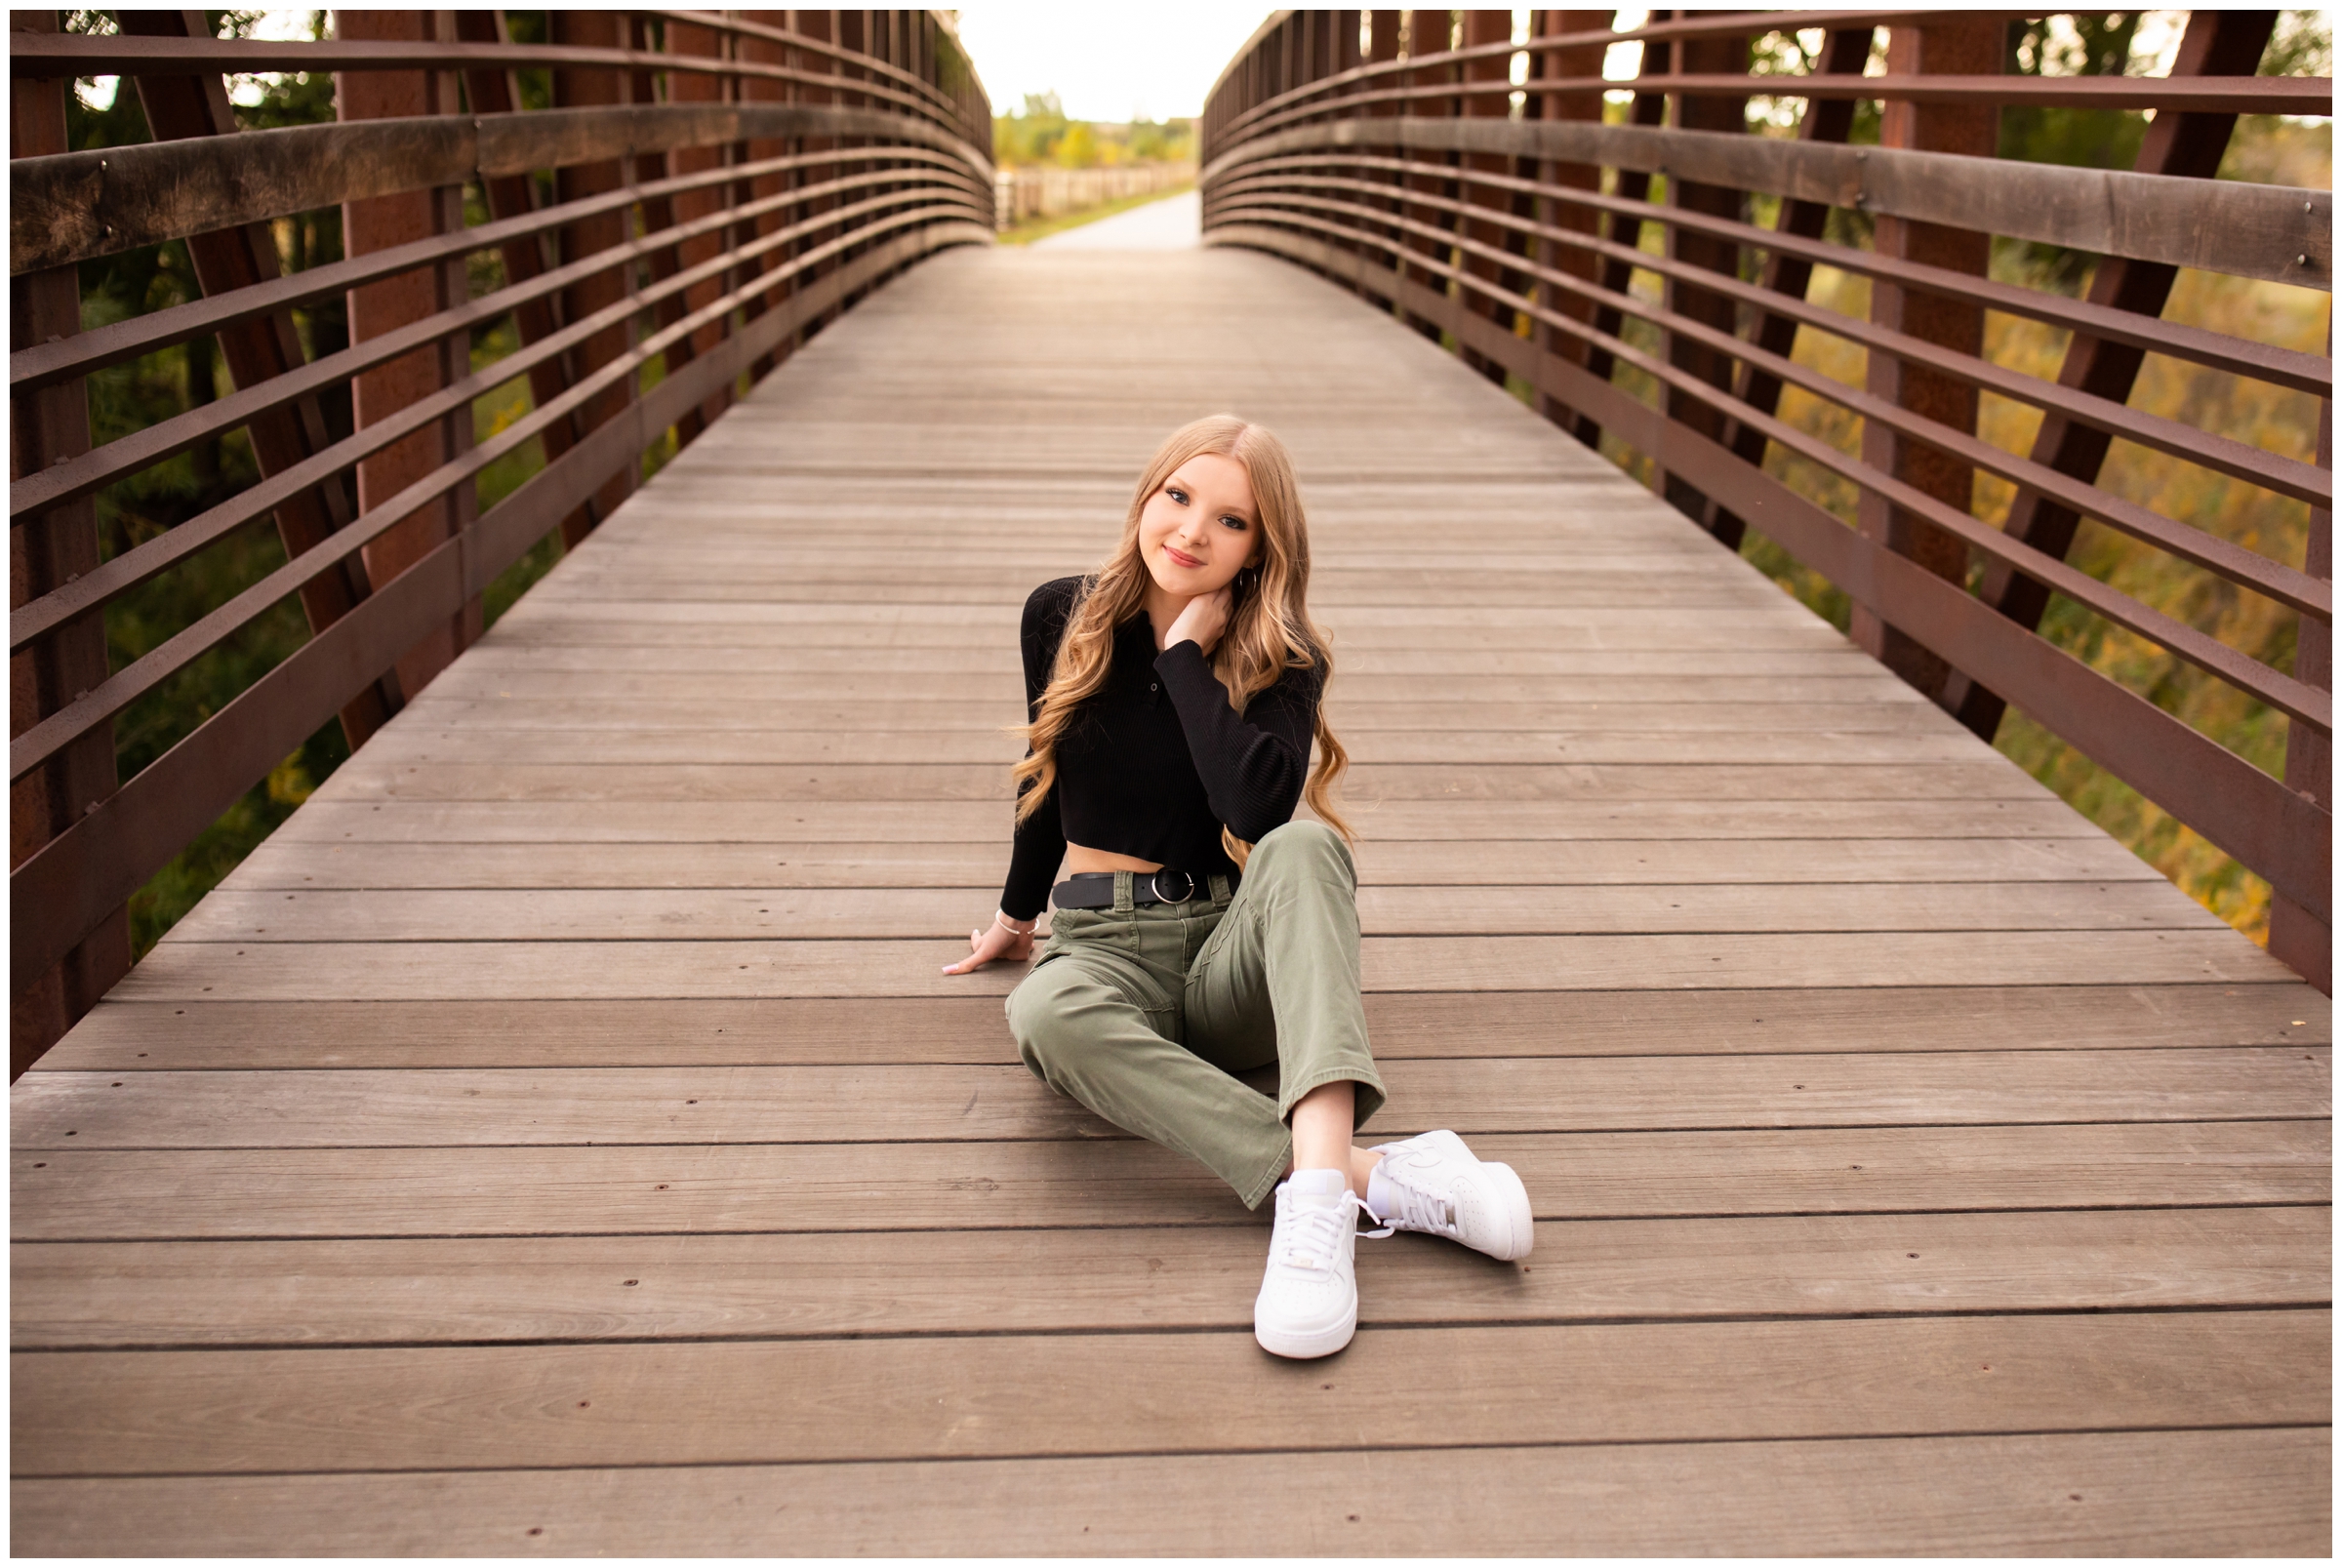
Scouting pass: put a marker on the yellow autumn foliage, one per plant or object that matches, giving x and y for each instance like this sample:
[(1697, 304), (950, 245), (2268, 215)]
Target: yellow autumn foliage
[(2249, 411)]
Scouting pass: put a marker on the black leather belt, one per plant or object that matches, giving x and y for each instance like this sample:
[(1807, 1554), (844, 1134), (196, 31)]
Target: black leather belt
[(1095, 890)]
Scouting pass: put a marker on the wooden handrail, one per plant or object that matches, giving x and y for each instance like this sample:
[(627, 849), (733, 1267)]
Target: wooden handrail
[(80, 206), (817, 203), (2275, 233), (2286, 476), (2305, 96), (41, 54), (72, 479), (2288, 368), (2306, 702), (1393, 178), (35, 745)]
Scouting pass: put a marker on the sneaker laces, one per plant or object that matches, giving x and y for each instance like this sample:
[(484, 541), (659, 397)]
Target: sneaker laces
[(1308, 1236), (1417, 1209)]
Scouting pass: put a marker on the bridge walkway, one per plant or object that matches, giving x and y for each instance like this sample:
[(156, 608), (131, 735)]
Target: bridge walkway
[(558, 1138)]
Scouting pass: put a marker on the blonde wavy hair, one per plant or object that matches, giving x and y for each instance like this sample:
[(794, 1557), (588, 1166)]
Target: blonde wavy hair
[(1269, 633)]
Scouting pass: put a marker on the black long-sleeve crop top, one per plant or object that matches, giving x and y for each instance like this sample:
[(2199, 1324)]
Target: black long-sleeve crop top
[(1140, 776)]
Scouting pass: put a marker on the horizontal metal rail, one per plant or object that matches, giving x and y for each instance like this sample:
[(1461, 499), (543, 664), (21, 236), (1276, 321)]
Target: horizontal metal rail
[(2272, 232), (81, 206), (2249, 95), (76, 477), (1437, 186), (43, 741), (118, 342), (39, 54), (2242, 810), (823, 170), (1711, 25), (1353, 87), (2281, 691), (2286, 476)]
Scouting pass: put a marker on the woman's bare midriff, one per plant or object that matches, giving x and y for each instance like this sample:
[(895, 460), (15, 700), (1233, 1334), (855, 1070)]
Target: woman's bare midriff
[(1081, 858)]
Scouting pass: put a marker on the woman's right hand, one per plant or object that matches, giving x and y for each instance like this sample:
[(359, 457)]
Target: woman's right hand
[(996, 941)]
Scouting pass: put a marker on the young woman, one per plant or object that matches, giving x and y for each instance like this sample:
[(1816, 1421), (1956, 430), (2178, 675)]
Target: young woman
[(1200, 932)]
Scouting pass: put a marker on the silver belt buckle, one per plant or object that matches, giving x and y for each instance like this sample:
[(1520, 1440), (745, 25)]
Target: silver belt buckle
[(1154, 884)]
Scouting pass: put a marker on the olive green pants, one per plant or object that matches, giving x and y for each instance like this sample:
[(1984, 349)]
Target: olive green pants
[(1145, 1013)]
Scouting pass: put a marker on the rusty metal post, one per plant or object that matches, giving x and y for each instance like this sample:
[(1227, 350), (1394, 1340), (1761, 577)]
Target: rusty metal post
[(693, 87), (1725, 113), (2217, 43), (1967, 47), (763, 50), (377, 223), (1825, 120), (178, 107), (1487, 28), (1634, 185), (575, 88), (490, 90), (44, 553), (2297, 937), (1426, 35), (1583, 104), (1382, 44)]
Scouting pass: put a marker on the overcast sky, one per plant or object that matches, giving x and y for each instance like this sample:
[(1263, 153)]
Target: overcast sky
[(1107, 61)]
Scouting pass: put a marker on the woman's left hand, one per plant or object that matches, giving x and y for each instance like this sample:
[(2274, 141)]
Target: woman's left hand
[(1203, 620)]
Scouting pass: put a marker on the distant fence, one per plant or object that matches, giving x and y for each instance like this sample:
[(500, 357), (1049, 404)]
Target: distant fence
[(705, 192), (1500, 213), (1046, 192)]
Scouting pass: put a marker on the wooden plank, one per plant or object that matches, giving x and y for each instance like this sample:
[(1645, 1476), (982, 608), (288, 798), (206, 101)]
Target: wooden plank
[(584, 647), (828, 621), (1339, 594), (1511, 822), (98, 1412), (457, 971), (94, 1295), (2086, 1494), (1622, 863), (1003, 687), (1453, 749), (617, 915), (370, 778), (186, 1195), (600, 713), (134, 1036), (330, 1108)]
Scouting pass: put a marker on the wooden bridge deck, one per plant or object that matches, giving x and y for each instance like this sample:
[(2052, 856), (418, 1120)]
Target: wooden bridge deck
[(558, 1138)]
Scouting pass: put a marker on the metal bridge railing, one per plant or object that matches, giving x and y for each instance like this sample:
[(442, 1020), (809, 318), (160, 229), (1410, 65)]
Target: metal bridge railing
[(706, 193), (1499, 211)]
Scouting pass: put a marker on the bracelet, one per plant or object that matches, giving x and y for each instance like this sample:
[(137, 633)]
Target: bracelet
[(1000, 918)]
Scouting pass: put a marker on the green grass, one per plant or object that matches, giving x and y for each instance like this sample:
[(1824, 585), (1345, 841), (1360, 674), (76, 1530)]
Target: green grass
[(1027, 233)]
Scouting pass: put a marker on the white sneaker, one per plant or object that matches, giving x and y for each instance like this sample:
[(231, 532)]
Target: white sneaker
[(1309, 1300), (1431, 1182)]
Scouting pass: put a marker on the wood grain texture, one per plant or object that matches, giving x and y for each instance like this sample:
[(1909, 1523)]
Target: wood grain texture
[(557, 1139), (330, 1108), (2084, 1494), (1619, 862), (610, 914), (458, 970), (360, 778), (86, 1295), (221, 1411), (1481, 822), (141, 1195), (123, 1035)]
